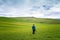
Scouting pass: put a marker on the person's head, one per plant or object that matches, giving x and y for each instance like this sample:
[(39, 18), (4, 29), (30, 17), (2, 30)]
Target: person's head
[(33, 24)]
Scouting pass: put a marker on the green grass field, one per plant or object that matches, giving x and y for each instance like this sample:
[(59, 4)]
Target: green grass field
[(21, 29)]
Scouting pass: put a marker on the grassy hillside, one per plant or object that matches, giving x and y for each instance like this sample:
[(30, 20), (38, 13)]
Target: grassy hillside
[(20, 29), (30, 19)]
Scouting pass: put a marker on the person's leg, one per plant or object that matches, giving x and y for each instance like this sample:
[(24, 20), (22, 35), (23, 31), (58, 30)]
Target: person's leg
[(33, 31)]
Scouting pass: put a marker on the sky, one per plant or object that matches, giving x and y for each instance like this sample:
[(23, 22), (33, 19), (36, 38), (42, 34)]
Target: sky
[(30, 8)]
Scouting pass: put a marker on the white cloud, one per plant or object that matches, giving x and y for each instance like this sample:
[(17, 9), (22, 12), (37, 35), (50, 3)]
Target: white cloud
[(54, 12), (36, 8)]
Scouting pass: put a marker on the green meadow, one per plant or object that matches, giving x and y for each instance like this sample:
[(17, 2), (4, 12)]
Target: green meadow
[(21, 28)]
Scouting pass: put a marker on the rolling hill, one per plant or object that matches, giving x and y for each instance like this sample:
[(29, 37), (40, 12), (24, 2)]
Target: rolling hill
[(29, 19)]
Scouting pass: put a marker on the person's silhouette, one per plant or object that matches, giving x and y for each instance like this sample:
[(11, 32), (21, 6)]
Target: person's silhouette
[(33, 29)]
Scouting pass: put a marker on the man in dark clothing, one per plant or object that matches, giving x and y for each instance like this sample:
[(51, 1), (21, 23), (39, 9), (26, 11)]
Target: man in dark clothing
[(33, 29)]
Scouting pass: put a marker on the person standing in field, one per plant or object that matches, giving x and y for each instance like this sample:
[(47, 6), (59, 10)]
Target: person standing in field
[(33, 29)]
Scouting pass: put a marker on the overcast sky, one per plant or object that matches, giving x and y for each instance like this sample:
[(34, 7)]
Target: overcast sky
[(29, 8)]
